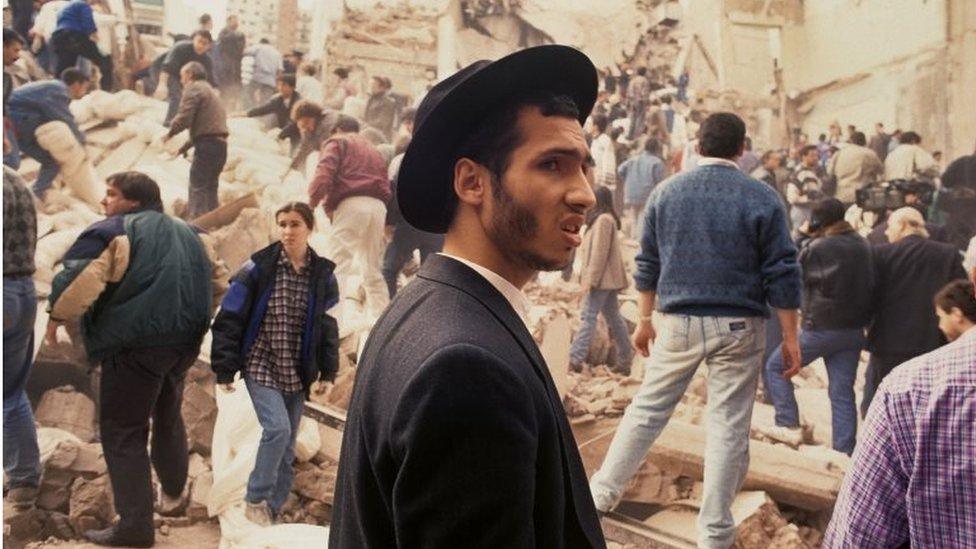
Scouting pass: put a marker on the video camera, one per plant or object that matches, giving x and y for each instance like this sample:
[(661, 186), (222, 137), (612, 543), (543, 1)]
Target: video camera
[(890, 195)]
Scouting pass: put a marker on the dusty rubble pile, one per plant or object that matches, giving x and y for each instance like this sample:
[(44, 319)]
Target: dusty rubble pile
[(403, 26)]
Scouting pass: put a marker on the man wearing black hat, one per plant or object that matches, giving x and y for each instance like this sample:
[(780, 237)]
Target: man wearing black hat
[(838, 281), (456, 436)]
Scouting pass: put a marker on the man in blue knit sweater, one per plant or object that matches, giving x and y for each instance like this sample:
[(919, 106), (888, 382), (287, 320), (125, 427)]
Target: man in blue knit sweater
[(715, 250)]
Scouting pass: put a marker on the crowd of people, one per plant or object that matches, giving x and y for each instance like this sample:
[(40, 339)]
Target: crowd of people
[(550, 166)]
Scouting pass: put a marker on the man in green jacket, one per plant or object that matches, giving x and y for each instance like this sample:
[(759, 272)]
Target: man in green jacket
[(145, 286)]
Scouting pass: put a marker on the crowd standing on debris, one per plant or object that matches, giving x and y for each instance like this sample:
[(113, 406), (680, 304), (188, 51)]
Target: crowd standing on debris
[(852, 244)]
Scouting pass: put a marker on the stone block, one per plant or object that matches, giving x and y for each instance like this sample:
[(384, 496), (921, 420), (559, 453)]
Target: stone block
[(199, 415), (65, 408), (321, 512), (91, 505), (315, 483), (55, 490)]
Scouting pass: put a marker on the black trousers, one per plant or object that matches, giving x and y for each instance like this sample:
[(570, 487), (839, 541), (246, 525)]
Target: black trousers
[(406, 239), (69, 45), (209, 158), (136, 386)]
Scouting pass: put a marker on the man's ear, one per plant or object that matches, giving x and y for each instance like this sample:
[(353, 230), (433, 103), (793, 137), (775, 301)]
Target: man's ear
[(470, 181)]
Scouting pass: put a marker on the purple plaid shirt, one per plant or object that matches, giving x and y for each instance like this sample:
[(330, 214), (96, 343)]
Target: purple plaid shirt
[(913, 477)]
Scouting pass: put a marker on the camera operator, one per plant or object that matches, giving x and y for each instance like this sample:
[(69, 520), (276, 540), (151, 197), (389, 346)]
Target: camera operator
[(957, 199), (913, 194)]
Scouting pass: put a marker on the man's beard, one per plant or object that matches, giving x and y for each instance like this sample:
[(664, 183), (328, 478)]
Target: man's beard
[(512, 227)]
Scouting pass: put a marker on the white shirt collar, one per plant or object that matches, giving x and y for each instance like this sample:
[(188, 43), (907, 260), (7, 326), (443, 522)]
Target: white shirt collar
[(513, 295), (712, 161)]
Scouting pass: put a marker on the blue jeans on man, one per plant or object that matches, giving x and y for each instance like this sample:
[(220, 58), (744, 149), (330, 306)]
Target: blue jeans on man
[(279, 415), (49, 166), (596, 302), (732, 348), (174, 92), (21, 458), (840, 350)]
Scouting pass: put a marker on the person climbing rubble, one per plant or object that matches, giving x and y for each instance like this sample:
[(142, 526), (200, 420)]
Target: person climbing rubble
[(314, 125), (202, 113), (274, 327), (351, 184), (76, 36), (280, 105), (170, 86), (33, 106), (156, 282)]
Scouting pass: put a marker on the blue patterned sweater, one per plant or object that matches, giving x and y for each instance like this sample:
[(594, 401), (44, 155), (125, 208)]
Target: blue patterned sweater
[(716, 243)]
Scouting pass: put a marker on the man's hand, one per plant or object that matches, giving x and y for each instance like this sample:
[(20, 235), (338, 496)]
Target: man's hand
[(160, 92), (792, 361), (644, 337), (227, 388), (51, 337)]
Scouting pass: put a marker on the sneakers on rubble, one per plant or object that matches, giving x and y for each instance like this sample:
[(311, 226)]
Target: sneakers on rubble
[(258, 513), (792, 436)]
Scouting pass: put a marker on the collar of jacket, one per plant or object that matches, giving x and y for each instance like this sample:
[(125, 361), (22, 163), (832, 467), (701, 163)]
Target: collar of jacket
[(841, 227), (444, 270)]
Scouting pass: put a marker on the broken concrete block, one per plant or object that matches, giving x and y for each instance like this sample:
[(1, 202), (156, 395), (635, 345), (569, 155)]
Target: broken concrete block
[(555, 349), (54, 491), (200, 497), (65, 408), (341, 392), (788, 537), (198, 466), (307, 443), (314, 483), (199, 415), (23, 525), (91, 505), (321, 512)]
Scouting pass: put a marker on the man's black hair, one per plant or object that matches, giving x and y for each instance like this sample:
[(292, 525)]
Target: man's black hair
[(652, 146), (10, 35), (722, 135), (347, 124), (492, 142), (858, 138), (806, 150), (287, 78), (139, 187), (204, 33), (72, 75), (910, 138), (204, 19), (959, 294), (341, 72), (600, 122)]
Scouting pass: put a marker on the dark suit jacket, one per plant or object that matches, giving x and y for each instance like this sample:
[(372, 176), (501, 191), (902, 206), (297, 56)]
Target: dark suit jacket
[(456, 436), (909, 274)]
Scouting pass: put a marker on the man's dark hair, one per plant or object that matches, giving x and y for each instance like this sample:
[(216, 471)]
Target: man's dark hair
[(666, 100), (287, 78), (722, 135), (959, 294), (72, 75), (139, 187), (826, 212), (600, 122), (202, 33), (306, 109), (641, 71), (205, 19), (910, 138), (196, 70), (806, 150), (341, 73), (767, 155), (616, 133), (264, 41), (10, 35), (652, 146), (858, 138), (347, 124)]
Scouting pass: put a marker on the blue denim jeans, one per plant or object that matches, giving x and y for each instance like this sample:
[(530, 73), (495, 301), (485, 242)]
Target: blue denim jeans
[(174, 92), (49, 166), (21, 458), (596, 302), (731, 348), (840, 350), (279, 414)]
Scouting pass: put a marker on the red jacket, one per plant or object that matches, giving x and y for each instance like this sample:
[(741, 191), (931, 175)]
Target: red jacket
[(349, 165)]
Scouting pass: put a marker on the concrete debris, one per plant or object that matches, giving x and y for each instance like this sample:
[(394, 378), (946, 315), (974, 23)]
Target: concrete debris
[(315, 483), (308, 442), (91, 506), (198, 466), (200, 497), (199, 415), (65, 408), (235, 243), (78, 459)]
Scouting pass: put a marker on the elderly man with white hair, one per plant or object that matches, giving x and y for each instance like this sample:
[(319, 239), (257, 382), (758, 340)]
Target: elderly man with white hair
[(909, 271)]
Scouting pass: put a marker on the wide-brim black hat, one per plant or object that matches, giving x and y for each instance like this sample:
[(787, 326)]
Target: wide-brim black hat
[(456, 106)]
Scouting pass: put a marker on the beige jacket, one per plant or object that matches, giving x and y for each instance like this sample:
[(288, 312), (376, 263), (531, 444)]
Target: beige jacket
[(854, 166), (910, 162), (602, 261)]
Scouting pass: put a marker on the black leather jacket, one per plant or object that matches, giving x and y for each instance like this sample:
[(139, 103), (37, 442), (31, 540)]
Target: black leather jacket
[(838, 279)]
